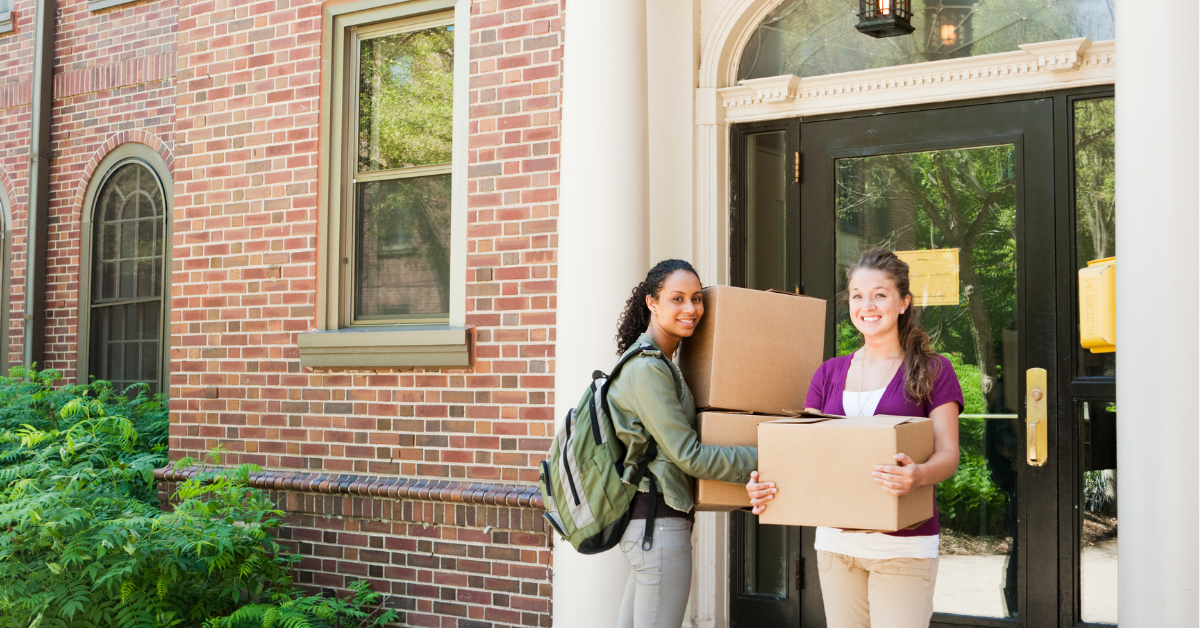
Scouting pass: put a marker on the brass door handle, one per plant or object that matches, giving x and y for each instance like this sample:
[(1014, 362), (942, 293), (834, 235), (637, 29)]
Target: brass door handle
[(1037, 451)]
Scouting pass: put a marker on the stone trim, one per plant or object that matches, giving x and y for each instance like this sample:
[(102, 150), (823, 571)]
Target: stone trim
[(1036, 67), (387, 347), (454, 491)]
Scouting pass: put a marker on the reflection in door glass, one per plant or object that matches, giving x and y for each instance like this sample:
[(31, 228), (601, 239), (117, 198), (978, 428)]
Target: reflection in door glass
[(766, 216), (765, 552), (1095, 203), (954, 211), (1098, 534)]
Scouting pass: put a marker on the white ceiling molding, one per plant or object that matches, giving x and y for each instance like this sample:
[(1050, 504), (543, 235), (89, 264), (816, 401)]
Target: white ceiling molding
[(1036, 67)]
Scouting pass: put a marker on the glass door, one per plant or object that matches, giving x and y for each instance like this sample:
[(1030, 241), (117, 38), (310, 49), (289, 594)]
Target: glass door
[(995, 207), (967, 196)]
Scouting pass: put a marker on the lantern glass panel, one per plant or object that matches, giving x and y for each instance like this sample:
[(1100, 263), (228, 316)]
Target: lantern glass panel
[(816, 37)]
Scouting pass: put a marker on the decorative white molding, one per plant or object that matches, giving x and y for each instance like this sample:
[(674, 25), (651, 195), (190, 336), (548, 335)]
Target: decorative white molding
[(1037, 67), (722, 49), (1060, 57), (769, 90)]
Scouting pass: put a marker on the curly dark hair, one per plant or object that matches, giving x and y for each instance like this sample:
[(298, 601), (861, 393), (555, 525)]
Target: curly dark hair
[(636, 317), (921, 365)]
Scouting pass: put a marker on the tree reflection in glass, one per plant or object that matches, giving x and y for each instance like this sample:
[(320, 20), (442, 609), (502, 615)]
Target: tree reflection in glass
[(402, 196), (961, 200), (815, 37)]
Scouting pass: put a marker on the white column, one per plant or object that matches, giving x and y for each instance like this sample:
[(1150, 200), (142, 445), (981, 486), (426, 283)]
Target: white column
[(1157, 282), (602, 245)]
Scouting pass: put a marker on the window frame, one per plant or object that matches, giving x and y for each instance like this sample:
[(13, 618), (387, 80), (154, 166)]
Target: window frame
[(6, 21), (337, 341), (130, 152)]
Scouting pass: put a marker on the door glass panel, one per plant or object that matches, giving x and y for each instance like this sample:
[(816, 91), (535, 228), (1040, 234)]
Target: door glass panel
[(765, 552), (1095, 203), (1098, 535), (952, 215), (766, 215), (815, 37)]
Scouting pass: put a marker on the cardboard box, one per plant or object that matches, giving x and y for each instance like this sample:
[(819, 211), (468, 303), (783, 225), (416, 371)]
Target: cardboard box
[(822, 466), (753, 350), (729, 430)]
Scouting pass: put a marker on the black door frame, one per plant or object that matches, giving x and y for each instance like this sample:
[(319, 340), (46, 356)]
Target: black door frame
[(1054, 583)]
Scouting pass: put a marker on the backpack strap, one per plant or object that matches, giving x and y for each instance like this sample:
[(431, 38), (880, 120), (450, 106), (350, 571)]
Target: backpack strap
[(602, 390), (651, 506)]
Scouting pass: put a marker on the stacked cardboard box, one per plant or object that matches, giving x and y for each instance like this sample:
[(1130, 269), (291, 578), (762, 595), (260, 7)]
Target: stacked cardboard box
[(749, 363), (750, 360)]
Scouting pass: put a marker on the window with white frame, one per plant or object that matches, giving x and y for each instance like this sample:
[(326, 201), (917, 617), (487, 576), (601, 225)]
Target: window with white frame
[(396, 209)]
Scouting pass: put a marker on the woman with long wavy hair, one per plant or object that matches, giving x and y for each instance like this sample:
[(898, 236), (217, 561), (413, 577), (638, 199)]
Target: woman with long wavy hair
[(883, 580), (653, 411)]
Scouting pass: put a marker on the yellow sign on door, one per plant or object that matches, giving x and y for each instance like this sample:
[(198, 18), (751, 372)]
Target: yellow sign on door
[(932, 276)]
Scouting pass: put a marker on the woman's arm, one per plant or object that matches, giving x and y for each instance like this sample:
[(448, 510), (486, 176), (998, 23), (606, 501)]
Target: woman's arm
[(654, 401), (900, 480)]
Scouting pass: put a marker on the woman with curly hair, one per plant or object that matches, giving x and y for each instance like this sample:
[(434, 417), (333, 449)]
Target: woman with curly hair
[(883, 580), (652, 407)]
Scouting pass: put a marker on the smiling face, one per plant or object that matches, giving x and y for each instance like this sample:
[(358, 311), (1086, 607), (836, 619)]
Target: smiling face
[(679, 305), (875, 302)]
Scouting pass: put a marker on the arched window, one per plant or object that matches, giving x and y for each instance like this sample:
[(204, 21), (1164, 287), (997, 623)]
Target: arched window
[(127, 277), (816, 37)]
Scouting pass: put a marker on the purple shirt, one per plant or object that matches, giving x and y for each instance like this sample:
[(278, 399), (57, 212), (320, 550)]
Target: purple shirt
[(829, 382)]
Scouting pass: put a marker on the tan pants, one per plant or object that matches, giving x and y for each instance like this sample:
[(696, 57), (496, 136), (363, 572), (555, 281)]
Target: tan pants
[(877, 593)]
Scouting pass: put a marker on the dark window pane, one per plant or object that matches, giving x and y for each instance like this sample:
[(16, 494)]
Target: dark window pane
[(406, 88), (815, 37), (766, 211), (765, 554), (127, 260), (402, 257)]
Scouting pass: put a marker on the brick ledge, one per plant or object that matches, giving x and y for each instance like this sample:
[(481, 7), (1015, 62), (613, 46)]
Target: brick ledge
[(480, 493)]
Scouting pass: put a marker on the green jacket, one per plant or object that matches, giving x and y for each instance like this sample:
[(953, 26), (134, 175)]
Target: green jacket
[(650, 400)]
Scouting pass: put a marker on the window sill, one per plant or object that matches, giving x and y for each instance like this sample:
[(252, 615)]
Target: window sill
[(6, 22), (99, 5), (437, 346)]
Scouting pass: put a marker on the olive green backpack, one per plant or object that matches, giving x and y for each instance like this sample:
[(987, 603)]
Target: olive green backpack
[(587, 502)]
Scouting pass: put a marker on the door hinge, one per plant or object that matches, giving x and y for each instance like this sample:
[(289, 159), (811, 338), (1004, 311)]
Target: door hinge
[(800, 573), (797, 179)]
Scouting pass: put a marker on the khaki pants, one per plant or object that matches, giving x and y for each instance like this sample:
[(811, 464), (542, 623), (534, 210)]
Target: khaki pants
[(877, 593)]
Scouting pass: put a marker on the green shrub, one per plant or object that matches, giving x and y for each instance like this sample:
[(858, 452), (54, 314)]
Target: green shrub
[(83, 543), (970, 502)]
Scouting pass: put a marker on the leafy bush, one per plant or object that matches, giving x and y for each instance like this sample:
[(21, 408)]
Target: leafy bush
[(83, 543), (970, 501)]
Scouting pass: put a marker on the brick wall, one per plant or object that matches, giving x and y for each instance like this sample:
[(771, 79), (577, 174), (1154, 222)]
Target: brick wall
[(229, 94), (112, 75), (16, 73), (244, 284)]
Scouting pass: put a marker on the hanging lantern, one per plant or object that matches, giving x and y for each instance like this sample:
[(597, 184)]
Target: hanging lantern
[(885, 18)]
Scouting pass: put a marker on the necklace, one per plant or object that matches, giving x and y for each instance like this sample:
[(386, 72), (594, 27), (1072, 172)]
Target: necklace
[(862, 378)]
